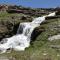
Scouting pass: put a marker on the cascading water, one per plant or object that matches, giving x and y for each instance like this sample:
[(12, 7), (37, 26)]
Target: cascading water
[(21, 40)]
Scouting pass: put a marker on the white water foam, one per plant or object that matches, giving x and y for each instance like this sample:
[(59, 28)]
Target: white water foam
[(21, 40)]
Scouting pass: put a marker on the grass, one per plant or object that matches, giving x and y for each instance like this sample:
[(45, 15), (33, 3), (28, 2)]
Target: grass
[(40, 49)]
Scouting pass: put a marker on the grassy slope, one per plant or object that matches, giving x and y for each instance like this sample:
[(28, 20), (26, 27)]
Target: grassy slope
[(40, 49)]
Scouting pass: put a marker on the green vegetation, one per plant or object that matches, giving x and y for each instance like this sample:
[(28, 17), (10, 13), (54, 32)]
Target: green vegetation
[(40, 49)]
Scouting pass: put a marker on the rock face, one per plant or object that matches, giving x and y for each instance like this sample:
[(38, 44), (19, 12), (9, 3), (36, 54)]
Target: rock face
[(36, 32), (6, 29)]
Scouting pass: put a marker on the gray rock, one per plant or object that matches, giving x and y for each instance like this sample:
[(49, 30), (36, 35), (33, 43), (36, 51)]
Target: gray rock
[(55, 37)]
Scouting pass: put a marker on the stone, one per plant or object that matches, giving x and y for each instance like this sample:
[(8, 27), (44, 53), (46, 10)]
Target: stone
[(55, 37)]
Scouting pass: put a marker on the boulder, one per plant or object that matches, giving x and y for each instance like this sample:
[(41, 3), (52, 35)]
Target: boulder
[(36, 32), (55, 37)]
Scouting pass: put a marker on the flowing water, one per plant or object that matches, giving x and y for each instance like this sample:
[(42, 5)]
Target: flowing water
[(21, 40)]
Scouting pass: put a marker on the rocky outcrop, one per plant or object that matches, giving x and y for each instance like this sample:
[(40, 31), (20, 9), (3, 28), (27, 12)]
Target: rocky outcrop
[(27, 10), (9, 26), (6, 28), (36, 32)]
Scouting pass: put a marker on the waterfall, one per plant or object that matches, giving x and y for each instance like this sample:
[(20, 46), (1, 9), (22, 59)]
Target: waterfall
[(21, 40)]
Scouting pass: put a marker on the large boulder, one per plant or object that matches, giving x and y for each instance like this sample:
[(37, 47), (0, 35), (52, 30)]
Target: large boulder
[(36, 32)]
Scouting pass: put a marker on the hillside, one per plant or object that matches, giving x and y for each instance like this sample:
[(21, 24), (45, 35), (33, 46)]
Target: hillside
[(40, 48)]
